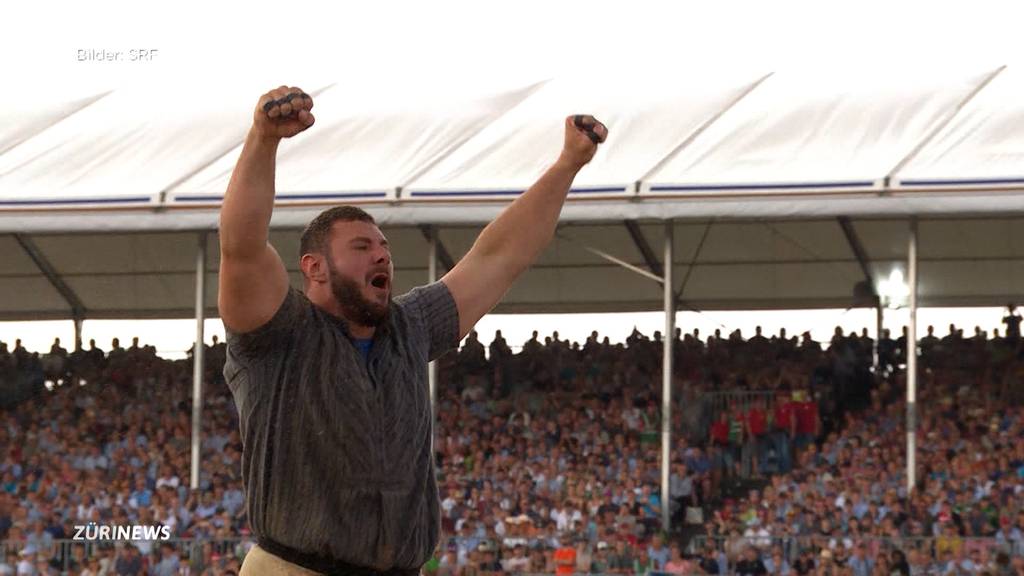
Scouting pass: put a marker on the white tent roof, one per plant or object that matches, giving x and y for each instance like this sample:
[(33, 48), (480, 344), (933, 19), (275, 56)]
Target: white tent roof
[(774, 122), (651, 117), (817, 132), (803, 144), (364, 146)]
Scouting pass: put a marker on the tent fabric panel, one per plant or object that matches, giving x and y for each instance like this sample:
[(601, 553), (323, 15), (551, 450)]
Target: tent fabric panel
[(771, 241), (15, 260), (21, 294), (580, 285), (967, 239), (832, 129), (126, 148), (120, 254), (811, 280), (364, 145), (21, 123), (146, 291), (1001, 281), (649, 117), (983, 145)]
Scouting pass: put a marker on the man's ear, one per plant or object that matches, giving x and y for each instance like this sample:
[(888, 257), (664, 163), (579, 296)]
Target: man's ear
[(314, 268)]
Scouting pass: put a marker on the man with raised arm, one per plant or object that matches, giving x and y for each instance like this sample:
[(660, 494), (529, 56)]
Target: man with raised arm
[(331, 381)]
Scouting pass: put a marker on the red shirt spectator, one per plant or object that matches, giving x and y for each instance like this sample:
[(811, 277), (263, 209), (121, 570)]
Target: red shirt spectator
[(784, 415), (565, 560), (757, 422), (720, 432), (807, 417), (627, 534)]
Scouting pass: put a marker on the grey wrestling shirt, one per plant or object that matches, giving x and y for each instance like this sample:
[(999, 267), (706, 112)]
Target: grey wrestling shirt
[(337, 455)]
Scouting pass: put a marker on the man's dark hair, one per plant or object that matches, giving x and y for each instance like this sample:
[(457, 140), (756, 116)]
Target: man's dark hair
[(314, 237)]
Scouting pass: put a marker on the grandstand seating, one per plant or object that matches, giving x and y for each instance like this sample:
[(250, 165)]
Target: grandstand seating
[(787, 455)]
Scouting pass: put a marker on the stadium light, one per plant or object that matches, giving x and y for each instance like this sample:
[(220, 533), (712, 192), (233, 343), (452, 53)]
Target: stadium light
[(894, 292)]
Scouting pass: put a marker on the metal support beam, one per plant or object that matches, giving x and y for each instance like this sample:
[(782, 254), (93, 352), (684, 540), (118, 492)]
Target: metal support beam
[(645, 249), (689, 267), (442, 255), (666, 273), (198, 366), (78, 310), (612, 259), (858, 250), (666, 383), (645, 273), (912, 362), (862, 259)]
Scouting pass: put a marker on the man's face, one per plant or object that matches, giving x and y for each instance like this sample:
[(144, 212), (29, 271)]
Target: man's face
[(360, 271)]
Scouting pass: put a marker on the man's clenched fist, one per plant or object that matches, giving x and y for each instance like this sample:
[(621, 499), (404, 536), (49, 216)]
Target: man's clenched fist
[(582, 136), (283, 113)]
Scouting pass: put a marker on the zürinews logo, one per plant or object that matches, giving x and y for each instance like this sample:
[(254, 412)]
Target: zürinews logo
[(93, 531)]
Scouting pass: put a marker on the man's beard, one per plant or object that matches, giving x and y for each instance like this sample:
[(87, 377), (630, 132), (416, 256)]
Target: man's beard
[(354, 306)]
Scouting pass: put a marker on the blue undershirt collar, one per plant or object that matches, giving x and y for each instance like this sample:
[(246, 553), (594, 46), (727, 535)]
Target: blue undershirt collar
[(363, 345)]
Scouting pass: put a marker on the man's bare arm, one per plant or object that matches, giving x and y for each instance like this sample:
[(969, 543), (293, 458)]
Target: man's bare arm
[(253, 279), (513, 241)]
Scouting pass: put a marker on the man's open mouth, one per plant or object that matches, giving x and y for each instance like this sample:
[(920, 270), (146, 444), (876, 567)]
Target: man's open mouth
[(379, 281)]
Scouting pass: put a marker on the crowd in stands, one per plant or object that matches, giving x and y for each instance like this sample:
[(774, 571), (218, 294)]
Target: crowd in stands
[(549, 458), (844, 507)]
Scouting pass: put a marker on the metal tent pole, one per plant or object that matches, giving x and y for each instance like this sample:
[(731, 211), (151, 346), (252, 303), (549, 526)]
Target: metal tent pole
[(666, 383), (197, 361), (912, 361)]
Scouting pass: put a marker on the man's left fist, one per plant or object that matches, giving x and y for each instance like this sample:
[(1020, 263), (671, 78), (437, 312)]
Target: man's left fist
[(583, 134)]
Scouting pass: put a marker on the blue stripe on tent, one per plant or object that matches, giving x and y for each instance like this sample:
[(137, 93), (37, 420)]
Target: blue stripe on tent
[(717, 187), (312, 196), (979, 181), (465, 193), (55, 202), (453, 193)]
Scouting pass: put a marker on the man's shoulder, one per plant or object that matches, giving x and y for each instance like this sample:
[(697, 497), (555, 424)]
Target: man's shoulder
[(292, 316), (418, 295)]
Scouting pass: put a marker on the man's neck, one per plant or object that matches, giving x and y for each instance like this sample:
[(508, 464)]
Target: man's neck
[(355, 330), (360, 332)]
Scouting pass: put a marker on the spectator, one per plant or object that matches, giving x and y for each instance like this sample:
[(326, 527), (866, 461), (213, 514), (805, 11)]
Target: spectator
[(129, 561), (776, 564), (565, 557), (658, 552), (601, 563), (712, 561), (1012, 321), (10, 564), (643, 564), (677, 564), (621, 560), (755, 448)]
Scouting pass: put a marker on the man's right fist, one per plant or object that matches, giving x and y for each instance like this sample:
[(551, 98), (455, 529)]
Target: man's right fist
[(283, 113)]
